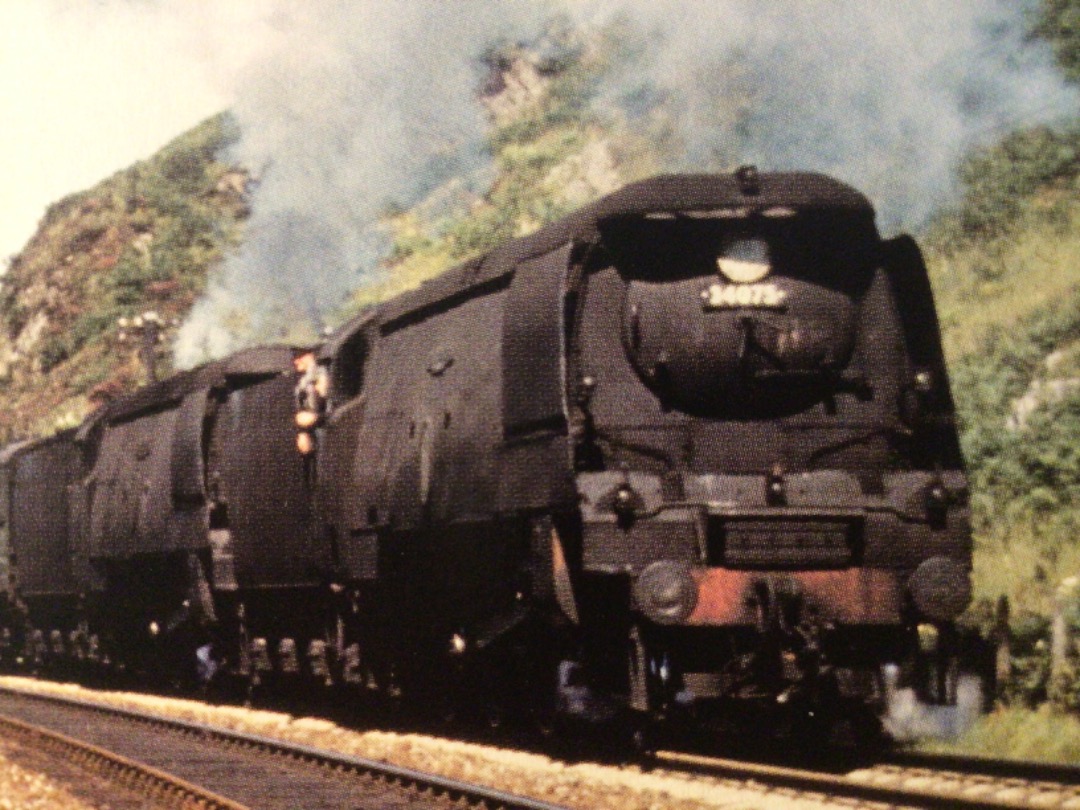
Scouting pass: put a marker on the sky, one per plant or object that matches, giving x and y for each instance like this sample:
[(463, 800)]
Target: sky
[(88, 87)]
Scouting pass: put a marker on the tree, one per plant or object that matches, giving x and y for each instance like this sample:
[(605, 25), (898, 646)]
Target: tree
[(1058, 22)]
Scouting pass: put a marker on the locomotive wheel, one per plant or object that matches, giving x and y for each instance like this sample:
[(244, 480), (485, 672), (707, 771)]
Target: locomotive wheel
[(493, 713), (644, 738), (543, 695), (450, 698), (848, 729)]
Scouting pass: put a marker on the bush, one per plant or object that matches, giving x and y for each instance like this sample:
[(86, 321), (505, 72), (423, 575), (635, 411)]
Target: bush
[(55, 349), (1058, 22), (85, 253), (1001, 181)]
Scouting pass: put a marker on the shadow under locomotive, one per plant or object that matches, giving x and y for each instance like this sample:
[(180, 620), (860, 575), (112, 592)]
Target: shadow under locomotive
[(688, 453)]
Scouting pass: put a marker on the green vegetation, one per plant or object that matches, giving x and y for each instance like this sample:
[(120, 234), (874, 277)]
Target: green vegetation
[(1030, 169), (1004, 266), (544, 127), (551, 155), (1042, 734), (141, 240), (1058, 22)]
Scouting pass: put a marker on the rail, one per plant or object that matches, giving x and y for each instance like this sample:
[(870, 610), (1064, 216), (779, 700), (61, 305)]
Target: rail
[(454, 791), (940, 785)]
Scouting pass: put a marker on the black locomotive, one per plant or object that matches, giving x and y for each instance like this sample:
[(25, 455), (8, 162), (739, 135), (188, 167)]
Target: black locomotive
[(689, 449)]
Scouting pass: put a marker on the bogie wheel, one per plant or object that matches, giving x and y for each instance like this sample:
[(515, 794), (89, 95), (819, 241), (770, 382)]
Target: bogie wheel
[(644, 740)]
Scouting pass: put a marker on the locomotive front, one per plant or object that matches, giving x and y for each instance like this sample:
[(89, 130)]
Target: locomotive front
[(766, 460)]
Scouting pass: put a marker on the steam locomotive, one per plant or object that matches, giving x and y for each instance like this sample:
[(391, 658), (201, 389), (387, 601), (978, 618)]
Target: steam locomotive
[(687, 451)]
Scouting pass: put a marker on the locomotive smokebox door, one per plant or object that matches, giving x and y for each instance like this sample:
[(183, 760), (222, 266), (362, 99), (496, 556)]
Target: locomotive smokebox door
[(728, 316)]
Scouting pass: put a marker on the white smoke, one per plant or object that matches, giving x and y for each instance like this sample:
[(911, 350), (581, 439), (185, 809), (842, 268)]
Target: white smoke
[(907, 718), (351, 107), (887, 96)]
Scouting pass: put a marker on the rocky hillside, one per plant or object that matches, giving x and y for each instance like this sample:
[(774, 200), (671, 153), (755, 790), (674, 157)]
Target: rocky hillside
[(142, 240), (1004, 267), (148, 238), (551, 155)]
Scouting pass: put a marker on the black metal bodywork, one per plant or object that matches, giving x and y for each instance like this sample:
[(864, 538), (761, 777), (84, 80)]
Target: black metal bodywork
[(37, 574), (162, 510), (530, 433), (692, 444)]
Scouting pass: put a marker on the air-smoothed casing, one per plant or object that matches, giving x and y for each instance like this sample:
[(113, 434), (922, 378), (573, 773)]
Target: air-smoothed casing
[(36, 477), (213, 445), (622, 336)]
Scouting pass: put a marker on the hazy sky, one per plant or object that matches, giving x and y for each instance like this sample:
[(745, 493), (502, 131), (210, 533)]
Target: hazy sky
[(89, 86)]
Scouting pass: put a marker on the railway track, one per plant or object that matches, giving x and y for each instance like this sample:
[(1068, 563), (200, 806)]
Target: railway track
[(985, 766), (909, 780), (165, 790), (898, 779), (193, 765)]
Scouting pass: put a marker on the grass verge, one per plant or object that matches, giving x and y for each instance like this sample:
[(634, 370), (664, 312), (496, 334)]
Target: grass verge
[(1016, 733)]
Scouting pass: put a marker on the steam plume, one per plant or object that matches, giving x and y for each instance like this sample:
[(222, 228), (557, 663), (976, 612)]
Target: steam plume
[(351, 109), (887, 97), (357, 106)]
